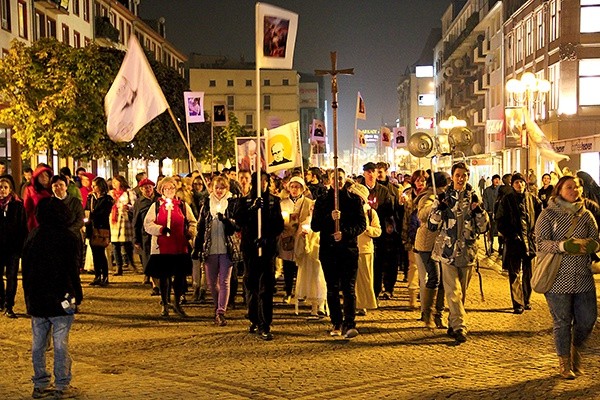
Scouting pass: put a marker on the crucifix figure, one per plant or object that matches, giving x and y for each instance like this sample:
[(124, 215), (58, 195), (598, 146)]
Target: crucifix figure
[(334, 72)]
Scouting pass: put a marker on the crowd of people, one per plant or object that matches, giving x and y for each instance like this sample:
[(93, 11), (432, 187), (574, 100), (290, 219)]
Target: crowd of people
[(340, 254)]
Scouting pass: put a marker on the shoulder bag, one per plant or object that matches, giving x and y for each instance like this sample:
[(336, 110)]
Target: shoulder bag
[(546, 265)]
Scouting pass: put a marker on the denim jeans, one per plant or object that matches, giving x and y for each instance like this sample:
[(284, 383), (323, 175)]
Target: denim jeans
[(574, 316), (41, 328)]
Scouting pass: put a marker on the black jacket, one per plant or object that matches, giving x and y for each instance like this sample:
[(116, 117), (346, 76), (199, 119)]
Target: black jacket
[(515, 226), (51, 259), (13, 228), (352, 221), (140, 209), (100, 209)]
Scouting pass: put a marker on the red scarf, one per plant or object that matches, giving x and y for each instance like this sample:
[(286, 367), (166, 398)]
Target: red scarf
[(4, 202), (114, 214)]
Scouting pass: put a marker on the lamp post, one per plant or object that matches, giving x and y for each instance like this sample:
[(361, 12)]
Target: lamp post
[(526, 93)]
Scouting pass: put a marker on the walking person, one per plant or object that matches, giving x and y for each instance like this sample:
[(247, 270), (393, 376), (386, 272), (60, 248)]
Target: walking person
[(51, 260), (121, 228), (490, 194), (13, 231), (572, 297), (143, 240), (172, 225), (339, 252), (430, 277), (98, 205), (516, 217), (546, 190), (259, 276), (216, 244), (460, 219), (199, 195)]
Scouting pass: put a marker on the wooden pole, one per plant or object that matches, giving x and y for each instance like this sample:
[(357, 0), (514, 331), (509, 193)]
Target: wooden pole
[(334, 105)]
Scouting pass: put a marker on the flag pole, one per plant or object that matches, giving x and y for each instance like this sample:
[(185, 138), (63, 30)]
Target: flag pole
[(258, 144), (334, 105), (187, 129), (354, 143)]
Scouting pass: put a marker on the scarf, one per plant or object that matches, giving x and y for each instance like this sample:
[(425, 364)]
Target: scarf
[(218, 206), (114, 214), (571, 208), (4, 203)]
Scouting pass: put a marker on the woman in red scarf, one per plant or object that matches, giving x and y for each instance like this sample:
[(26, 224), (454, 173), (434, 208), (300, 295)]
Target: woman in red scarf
[(172, 225), (121, 227), (39, 189)]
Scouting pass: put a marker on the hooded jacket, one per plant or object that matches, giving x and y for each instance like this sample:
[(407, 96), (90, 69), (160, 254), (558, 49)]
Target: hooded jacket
[(33, 194)]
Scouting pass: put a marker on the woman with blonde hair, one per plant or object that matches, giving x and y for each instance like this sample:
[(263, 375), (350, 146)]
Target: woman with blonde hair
[(572, 297), (172, 225), (121, 226)]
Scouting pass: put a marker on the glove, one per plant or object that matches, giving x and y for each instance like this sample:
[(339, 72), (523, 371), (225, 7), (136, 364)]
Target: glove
[(165, 231), (441, 203), (220, 216), (591, 246), (571, 246), (256, 204)]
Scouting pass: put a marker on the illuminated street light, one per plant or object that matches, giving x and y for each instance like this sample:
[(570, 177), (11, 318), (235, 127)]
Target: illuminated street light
[(527, 91), (452, 122)]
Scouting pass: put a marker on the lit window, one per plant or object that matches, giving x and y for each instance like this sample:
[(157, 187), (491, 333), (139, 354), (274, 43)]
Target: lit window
[(590, 16), (589, 82), (22, 9)]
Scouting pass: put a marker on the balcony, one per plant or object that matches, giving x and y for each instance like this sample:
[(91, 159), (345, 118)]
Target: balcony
[(54, 7), (105, 31)]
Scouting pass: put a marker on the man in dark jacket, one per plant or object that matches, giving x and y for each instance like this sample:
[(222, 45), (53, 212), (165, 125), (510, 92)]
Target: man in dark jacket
[(516, 217), (503, 190), (490, 194), (259, 253), (338, 253), (142, 240), (51, 258)]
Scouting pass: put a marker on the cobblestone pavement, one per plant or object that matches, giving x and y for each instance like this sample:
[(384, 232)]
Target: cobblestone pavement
[(122, 349)]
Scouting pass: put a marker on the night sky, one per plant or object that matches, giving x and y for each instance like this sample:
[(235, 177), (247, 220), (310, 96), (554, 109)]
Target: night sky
[(378, 38)]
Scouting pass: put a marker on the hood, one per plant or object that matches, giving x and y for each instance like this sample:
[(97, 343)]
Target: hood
[(40, 169)]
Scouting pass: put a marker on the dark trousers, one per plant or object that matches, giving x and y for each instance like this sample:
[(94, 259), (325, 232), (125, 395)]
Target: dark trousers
[(128, 253), (290, 269), (10, 264), (516, 261), (340, 266), (259, 280), (100, 261), (238, 270), (385, 270)]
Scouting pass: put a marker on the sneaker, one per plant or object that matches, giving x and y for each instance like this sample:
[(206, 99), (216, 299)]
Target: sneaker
[(104, 282), (220, 320), (361, 312), (385, 296), (96, 282), (252, 328), (351, 333), (518, 310), (321, 314), (266, 336), (527, 307), (41, 393), (177, 308), (336, 331), (10, 313), (164, 312), (67, 393), (460, 335)]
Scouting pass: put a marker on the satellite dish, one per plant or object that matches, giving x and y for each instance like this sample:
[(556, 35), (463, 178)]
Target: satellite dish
[(460, 137), (420, 144)]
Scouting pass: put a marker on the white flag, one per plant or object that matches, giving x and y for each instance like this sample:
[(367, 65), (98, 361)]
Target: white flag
[(275, 36), (282, 146), (361, 112), (135, 98)]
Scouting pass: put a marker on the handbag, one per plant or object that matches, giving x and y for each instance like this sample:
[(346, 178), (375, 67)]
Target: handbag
[(100, 237), (546, 265)]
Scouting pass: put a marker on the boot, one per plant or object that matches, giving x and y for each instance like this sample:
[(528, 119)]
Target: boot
[(427, 304), (565, 367), (439, 322), (177, 308), (412, 299), (165, 311), (196, 294), (119, 271), (576, 361)]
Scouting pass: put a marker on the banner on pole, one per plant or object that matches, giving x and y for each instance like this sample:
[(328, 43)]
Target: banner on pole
[(194, 106), (282, 144), (386, 136), (400, 136), (245, 154), (361, 111), (360, 135), (219, 117), (135, 97), (276, 30), (317, 131)]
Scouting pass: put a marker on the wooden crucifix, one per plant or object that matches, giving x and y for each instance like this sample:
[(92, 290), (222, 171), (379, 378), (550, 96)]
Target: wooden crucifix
[(334, 72)]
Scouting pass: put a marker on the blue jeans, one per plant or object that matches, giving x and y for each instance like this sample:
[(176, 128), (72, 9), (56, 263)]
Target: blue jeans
[(41, 328), (574, 316)]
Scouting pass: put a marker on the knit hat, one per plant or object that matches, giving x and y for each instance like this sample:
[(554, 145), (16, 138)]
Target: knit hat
[(517, 177), (297, 179), (361, 191)]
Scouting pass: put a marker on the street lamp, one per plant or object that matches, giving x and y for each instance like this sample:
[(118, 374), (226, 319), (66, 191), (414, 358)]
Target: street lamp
[(524, 94), (443, 141)]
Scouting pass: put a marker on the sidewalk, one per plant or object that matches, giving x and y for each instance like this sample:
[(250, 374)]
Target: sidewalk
[(122, 349)]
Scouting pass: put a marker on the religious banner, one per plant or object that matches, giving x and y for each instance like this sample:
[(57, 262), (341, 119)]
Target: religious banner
[(515, 126), (219, 114), (135, 97), (276, 30), (360, 136), (317, 131), (245, 154), (282, 146), (400, 136), (386, 136), (361, 111), (194, 105)]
